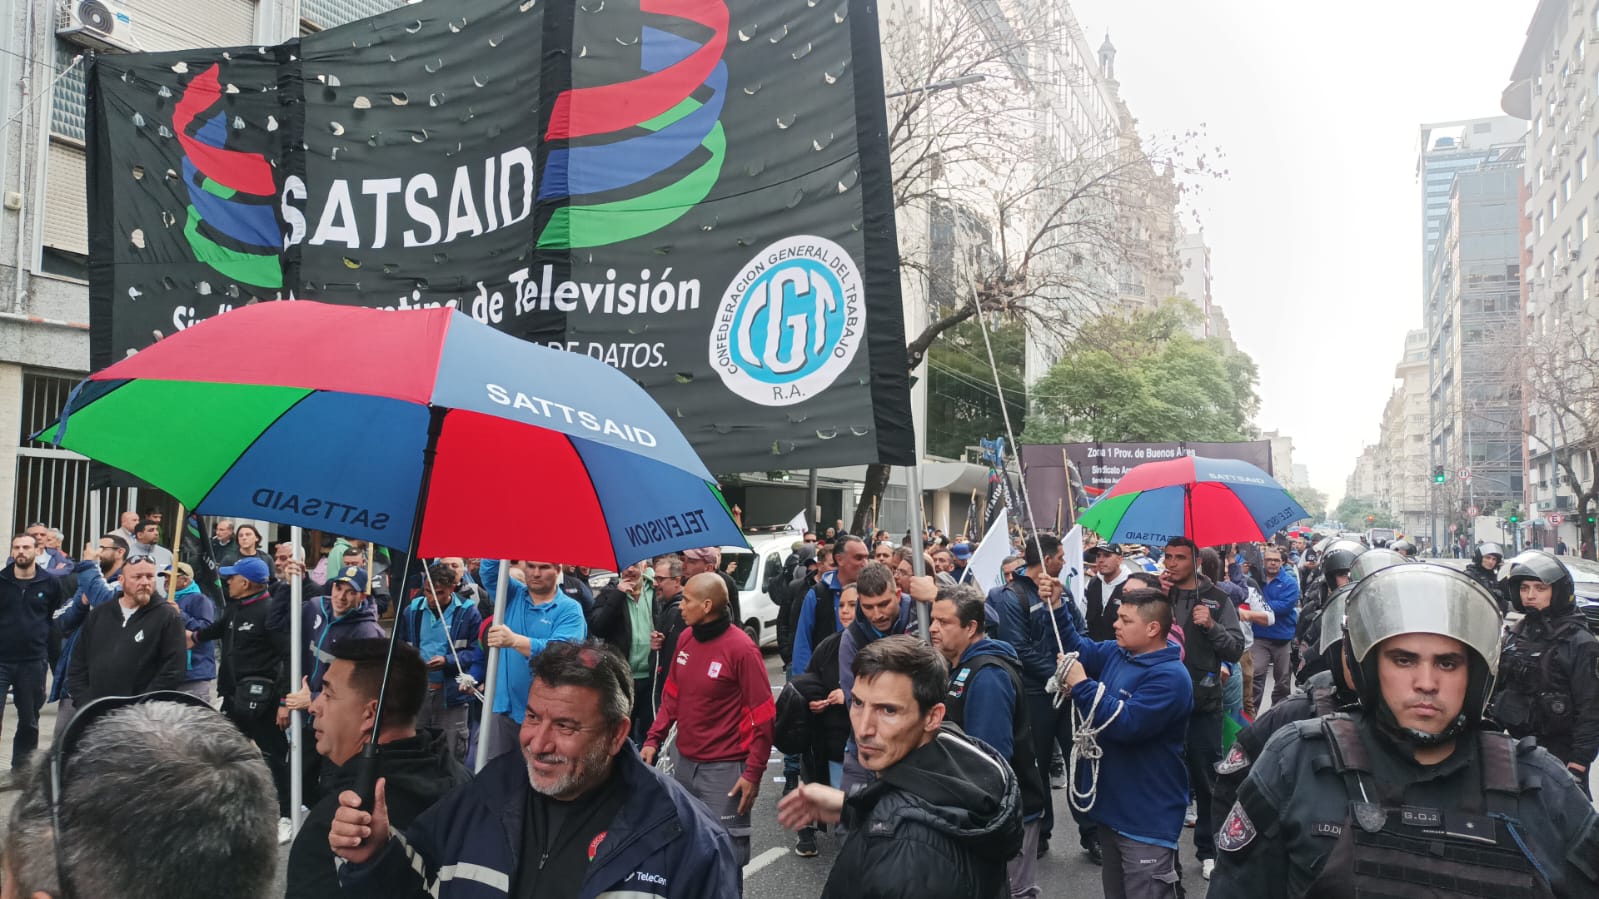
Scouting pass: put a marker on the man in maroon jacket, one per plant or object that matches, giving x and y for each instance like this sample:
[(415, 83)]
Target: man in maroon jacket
[(717, 691)]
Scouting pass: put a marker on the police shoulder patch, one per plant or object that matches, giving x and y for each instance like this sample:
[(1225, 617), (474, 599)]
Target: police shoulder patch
[(1237, 831), (1237, 760)]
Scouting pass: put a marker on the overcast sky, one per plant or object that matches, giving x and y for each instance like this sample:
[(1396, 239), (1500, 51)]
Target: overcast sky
[(1315, 234)]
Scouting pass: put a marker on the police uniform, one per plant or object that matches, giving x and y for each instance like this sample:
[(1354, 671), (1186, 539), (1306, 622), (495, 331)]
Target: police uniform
[(1319, 698), (1549, 668), (1334, 808), (1339, 806)]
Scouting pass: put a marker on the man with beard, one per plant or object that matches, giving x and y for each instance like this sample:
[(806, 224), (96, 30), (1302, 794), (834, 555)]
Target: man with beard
[(576, 814), (717, 693), (28, 596), (132, 646), (98, 576)]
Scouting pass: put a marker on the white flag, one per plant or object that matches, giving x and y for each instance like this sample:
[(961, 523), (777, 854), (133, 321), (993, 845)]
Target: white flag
[(1073, 574), (797, 523), (987, 566)]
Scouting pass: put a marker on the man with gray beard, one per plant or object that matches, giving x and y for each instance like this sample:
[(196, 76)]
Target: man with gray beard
[(576, 814)]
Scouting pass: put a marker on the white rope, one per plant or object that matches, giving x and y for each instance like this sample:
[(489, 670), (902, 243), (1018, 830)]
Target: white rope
[(1010, 434), (463, 681), (1085, 736)]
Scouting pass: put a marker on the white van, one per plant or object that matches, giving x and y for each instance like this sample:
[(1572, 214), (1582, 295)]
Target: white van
[(756, 564)]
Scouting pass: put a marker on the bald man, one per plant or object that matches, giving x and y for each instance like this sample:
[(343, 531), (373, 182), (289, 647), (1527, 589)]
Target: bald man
[(718, 695)]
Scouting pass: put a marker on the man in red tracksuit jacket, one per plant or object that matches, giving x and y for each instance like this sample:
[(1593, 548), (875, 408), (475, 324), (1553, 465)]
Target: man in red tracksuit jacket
[(717, 690)]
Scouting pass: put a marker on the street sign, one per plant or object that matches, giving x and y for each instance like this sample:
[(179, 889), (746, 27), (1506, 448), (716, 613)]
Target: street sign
[(1464, 474), (1473, 511), (1554, 520)]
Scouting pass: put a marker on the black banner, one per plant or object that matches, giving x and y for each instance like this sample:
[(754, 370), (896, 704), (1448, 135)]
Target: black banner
[(694, 191)]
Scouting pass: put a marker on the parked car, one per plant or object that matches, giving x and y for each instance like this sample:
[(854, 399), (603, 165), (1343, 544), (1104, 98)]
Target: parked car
[(752, 566)]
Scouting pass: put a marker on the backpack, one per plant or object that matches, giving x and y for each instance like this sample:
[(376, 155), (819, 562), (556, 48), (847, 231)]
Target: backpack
[(794, 729)]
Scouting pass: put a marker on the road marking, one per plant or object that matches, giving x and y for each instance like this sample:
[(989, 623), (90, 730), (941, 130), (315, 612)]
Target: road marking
[(764, 859)]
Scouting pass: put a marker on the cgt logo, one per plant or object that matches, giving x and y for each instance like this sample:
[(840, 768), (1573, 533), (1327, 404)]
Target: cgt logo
[(790, 322)]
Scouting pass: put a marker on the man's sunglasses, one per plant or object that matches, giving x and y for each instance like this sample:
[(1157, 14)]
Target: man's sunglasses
[(83, 718)]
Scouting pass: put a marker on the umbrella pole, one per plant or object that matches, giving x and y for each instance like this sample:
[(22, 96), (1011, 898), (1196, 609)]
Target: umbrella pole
[(296, 671), (366, 771), (918, 560), (491, 673)]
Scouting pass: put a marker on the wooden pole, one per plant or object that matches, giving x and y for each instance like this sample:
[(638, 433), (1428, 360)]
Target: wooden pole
[(1066, 469), (177, 544)]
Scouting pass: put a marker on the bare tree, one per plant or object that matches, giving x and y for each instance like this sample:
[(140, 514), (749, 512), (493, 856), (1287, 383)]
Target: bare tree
[(1006, 202), (1558, 364)]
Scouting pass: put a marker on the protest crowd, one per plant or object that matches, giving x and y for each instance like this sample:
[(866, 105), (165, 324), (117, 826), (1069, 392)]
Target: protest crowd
[(1315, 716)]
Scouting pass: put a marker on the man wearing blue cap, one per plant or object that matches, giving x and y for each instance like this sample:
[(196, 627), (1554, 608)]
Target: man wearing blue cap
[(253, 679), (961, 554)]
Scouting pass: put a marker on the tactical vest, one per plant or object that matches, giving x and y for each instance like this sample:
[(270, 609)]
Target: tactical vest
[(1390, 850), (1023, 760), (1534, 696)]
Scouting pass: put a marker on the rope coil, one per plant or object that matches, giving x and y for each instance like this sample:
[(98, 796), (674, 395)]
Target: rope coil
[(1085, 737)]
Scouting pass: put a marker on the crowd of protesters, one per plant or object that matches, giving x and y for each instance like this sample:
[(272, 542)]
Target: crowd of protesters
[(926, 723)]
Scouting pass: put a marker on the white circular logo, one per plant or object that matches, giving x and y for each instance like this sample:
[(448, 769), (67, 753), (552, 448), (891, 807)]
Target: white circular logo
[(789, 322)]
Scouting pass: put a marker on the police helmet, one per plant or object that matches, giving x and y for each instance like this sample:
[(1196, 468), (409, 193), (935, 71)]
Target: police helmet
[(1321, 545), (1404, 548), (1537, 565), (1423, 599), (1340, 557), (1332, 618), (1487, 549), (1372, 561)]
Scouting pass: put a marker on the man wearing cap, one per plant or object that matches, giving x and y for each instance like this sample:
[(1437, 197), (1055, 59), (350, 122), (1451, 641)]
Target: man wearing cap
[(1104, 590), (960, 555), (200, 668), (252, 678)]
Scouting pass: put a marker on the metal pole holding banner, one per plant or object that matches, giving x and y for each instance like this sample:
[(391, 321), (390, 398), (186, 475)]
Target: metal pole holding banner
[(811, 512), (491, 674), (913, 475), (296, 660)]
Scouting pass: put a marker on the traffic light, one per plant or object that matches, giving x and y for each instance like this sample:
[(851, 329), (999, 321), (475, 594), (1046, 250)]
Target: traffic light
[(1439, 476), (1370, 519), (1514, 517)]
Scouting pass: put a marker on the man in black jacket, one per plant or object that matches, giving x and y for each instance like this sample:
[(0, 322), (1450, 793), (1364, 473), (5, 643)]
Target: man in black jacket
[(1212, 635), (1104, 590), (130, 646), (624, 620), (28, 597), (253, 676), (417, 768), (944, 813)]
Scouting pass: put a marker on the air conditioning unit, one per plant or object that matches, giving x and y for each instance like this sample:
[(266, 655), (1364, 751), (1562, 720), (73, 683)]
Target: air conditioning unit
[(97, 24)]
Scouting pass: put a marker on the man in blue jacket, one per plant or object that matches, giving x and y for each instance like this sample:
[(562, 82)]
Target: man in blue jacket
[(536, 615), (1270, 650), (575, 808), (1135, 695), (443, 627), (200, 672), (28, 597)]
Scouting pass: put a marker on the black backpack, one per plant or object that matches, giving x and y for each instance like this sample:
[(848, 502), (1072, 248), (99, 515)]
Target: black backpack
[(794, 729)]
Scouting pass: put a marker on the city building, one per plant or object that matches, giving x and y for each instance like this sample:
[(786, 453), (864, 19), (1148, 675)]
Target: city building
[(1472, 324), (1193, 263), (1552, 92), (1405, 440), (1362, 483)]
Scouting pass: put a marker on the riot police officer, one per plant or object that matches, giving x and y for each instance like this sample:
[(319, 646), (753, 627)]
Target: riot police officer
[(1328, 691), (1336, 564), (1484, 569), (1549, 667), (1411, 795), (1404, 548)]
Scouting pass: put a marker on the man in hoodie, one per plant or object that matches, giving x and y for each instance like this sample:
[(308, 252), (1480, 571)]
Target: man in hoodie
[(99, 576), (1272, 641), (986, 700), (1104, 590), (880, 611), (943, 815), (200, 670), (1134, 692), (28, 597), (443, 627), (1212, 636), (418, 767), (718, 695), (132, 646)]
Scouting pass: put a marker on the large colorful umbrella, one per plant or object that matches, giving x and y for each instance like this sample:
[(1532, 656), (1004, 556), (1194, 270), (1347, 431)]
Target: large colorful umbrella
[(1210, 501), (373, 424)]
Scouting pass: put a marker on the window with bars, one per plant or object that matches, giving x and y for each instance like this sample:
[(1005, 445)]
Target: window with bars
[(66, 100), (320, 14)]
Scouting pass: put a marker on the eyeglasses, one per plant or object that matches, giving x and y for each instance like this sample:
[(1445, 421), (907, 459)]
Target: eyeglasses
[(134, 560), (83, 717)]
